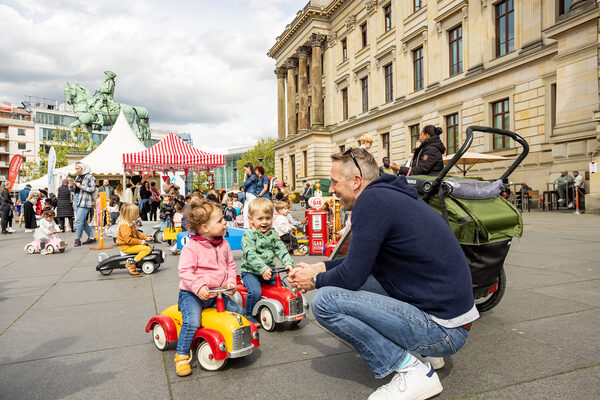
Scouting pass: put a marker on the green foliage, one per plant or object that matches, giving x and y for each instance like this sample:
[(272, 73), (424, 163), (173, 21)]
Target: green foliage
[(63, 143), (200, 181), (31, 170), (263, 149)]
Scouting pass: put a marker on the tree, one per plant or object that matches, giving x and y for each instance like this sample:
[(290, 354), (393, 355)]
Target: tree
[(263, 150), (201, 182), (63, 143)]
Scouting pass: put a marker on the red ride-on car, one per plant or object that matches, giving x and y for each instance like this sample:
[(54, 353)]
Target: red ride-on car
[(278, 303)]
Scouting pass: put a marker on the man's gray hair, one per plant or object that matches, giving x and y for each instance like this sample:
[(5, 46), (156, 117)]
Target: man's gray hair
[(368, 166)]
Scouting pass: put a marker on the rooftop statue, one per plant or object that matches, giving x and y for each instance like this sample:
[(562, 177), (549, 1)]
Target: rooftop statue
[(98, 110)]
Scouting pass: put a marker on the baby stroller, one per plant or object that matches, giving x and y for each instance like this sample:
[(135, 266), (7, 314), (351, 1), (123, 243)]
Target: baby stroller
[(482, 220)]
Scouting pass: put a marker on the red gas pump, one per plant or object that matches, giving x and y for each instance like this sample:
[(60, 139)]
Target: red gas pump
[(316, 230)]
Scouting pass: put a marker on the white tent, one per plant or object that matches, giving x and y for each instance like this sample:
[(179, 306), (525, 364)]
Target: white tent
[(106, 159)]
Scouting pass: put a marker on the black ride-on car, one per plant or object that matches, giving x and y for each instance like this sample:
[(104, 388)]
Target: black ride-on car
[(148, 264)]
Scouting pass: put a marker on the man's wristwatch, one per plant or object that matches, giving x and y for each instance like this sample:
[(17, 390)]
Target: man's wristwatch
[(313, 280)]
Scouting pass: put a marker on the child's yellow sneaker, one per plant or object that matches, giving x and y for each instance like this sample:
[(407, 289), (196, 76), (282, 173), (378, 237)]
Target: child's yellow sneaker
[(182, 365)]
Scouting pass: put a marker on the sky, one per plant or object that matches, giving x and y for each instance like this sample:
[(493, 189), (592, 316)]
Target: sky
[(197, 66)]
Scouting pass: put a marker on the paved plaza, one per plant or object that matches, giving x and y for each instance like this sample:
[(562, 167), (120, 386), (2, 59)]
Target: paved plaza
[(68, 332)]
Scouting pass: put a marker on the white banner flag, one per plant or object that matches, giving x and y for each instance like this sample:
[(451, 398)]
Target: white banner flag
[(51, 165)]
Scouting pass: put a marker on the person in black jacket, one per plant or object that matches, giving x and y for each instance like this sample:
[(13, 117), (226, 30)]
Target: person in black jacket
[(427, 159), (6, 205), (64, 206)]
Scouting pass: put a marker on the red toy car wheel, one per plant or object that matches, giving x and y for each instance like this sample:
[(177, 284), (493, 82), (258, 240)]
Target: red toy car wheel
[(206, 358), (159, 337), (266, 319)]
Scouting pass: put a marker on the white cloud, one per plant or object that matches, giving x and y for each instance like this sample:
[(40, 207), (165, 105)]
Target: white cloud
[(197, 66)]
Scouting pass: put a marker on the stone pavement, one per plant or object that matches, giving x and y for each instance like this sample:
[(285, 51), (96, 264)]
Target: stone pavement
[(68, 332)]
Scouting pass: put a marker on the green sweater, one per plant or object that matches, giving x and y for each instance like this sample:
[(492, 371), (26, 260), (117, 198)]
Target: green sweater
[(258, 251)]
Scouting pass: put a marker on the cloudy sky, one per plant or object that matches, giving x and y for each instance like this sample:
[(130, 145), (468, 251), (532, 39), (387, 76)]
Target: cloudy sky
[(197, 66)]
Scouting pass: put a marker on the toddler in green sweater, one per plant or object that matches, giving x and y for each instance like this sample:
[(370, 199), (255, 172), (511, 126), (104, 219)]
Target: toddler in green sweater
[(259, 246)]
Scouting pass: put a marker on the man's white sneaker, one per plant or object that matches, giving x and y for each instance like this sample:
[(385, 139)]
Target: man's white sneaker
[(410, 385), (570, 205), (436, 362), (561, 200), (28, 230)]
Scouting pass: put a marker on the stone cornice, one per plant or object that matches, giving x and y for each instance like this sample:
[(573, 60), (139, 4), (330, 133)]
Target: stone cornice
[(567, 22), (304, 16)]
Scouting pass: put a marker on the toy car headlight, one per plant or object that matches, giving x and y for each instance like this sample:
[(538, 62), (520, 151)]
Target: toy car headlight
[(255, 335), (222, 346), (163, 254)]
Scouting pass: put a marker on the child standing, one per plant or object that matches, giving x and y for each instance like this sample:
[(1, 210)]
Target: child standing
[(178, 216), (167, 210), (131, 241), (229, 213), (46, 229), (206, 262), (259, 244)]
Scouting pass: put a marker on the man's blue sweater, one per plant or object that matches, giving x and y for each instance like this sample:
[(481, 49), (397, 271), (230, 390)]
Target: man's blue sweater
[(407, 247)]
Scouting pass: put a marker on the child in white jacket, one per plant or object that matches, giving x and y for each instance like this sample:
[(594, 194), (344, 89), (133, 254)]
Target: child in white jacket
[(47, 228), (284, 228)]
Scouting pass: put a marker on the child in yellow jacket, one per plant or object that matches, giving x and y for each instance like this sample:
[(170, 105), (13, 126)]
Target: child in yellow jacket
[(131, 241)]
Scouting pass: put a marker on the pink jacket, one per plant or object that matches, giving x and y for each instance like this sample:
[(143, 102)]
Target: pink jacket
[(202, 264)]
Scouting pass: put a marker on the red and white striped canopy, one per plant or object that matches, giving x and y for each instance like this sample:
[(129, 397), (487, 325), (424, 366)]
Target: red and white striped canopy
[(171, 154)]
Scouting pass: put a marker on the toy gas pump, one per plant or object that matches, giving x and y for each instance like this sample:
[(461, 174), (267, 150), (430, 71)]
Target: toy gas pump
[(316, 226), (100, 213)]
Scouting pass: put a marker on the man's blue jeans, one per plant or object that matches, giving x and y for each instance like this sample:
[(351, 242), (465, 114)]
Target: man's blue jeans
[(81, 223), (191, 308), (252, 283), (381, 328)]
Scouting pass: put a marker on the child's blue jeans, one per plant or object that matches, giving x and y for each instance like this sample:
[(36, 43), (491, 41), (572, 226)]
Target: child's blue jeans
[(191, 308), (252, 283)]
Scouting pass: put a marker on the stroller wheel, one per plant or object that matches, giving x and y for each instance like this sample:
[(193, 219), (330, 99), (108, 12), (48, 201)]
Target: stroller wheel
[(487, 303)]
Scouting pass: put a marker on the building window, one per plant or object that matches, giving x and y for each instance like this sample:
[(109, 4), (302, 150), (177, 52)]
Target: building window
[(342, 148), (345, 104), (364, 86), (387, 17), (564, 6), (414, 136), (505, 28), (553, 105), (235, 177), (344, 49), (21, 146), (363, 35), (501, 120), (305, 163), (385, 144), (293, 171), (282, 169), (418, 68), (21, 132), (456, 60), (389, 83), (452, 133), (308, 116), (418, 4)]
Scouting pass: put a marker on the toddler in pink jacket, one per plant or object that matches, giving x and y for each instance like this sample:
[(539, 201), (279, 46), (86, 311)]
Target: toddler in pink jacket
[(206, 262)]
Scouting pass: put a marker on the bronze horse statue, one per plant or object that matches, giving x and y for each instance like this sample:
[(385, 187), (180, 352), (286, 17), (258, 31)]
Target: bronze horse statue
[(87, 116)]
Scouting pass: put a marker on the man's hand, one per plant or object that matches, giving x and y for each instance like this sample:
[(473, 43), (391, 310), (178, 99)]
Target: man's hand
[(301, 276), (395, 166), (149, 239), (267, 274), (232, 291), (203, 293)]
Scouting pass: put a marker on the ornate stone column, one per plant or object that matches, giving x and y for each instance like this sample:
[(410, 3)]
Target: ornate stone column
[(317, 41), (291, 64), (303, 53), (281, 73)]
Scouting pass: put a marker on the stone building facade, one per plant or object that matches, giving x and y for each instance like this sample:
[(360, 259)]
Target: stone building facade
[(387, 68)]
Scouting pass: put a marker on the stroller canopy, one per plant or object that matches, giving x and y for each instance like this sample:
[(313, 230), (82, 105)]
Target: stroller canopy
[(172, 154)]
